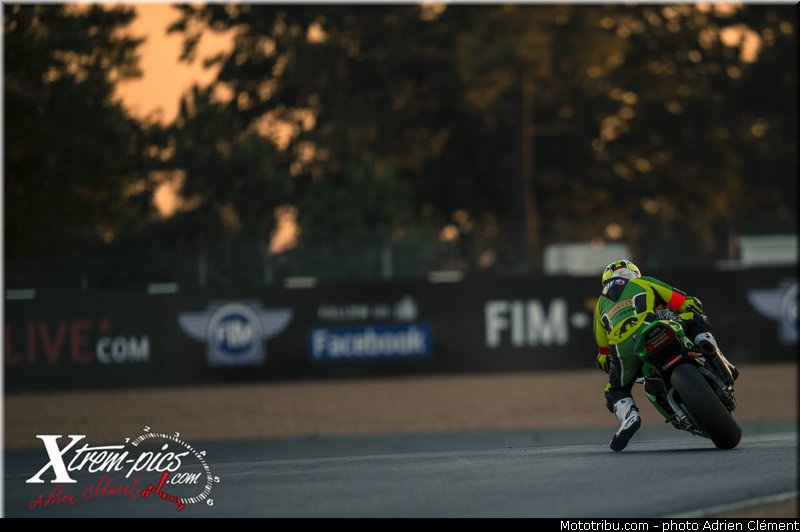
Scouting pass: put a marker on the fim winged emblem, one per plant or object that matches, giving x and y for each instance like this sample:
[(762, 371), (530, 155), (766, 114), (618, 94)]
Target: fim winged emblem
[(779, 304), (235, 331)]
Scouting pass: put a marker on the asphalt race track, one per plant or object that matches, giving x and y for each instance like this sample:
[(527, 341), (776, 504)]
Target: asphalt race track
[(556, 473)]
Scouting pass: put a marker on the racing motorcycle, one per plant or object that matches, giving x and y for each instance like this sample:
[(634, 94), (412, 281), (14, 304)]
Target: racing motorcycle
[(693, 391)]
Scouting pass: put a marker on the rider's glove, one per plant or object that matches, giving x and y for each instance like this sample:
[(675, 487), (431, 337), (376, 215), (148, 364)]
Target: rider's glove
[(693, 305), (603, 362)]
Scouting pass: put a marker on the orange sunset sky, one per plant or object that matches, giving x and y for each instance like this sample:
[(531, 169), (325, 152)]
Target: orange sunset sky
[(164, 77)]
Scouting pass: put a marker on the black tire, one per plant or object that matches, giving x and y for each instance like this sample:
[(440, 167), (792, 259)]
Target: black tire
[(705, 407)]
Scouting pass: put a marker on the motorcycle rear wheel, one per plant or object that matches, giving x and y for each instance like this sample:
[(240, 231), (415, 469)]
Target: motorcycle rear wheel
[(705, 407)]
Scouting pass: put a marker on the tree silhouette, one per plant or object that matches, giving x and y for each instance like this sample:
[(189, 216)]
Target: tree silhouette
[(502, 128), (75, 162)]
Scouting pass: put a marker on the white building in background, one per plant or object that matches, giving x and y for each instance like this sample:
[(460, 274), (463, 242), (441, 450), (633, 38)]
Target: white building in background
[(767, 250), (583, 259)]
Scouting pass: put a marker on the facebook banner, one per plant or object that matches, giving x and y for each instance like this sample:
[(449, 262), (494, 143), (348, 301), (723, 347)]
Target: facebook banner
[(374, 341)]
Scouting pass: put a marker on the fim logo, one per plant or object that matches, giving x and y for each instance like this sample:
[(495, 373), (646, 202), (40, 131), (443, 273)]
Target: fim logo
[(779, 304), (234, 332)]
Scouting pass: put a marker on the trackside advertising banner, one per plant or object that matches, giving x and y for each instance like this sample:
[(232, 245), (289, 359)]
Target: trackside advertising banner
[(107, 340), (349, 330)]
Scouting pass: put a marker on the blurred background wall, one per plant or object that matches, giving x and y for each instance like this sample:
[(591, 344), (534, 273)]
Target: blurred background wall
[(365, 154)]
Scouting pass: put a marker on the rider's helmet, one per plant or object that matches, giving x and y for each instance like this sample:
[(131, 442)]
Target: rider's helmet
[(621, 268)]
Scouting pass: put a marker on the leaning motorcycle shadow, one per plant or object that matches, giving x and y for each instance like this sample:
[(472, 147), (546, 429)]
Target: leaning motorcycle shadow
[(680, 450)]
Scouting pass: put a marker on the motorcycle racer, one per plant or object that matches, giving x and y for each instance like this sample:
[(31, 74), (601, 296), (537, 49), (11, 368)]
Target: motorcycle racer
[(626, 304)]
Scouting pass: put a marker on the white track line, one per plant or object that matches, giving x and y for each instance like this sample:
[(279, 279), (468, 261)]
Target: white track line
[(746, 503)]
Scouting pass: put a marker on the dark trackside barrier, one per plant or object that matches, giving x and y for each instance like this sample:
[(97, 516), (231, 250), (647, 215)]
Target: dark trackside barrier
[(366, 329)]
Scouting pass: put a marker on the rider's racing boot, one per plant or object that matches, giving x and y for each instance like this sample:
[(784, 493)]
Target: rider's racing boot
[(627, 412), (708, 345)]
